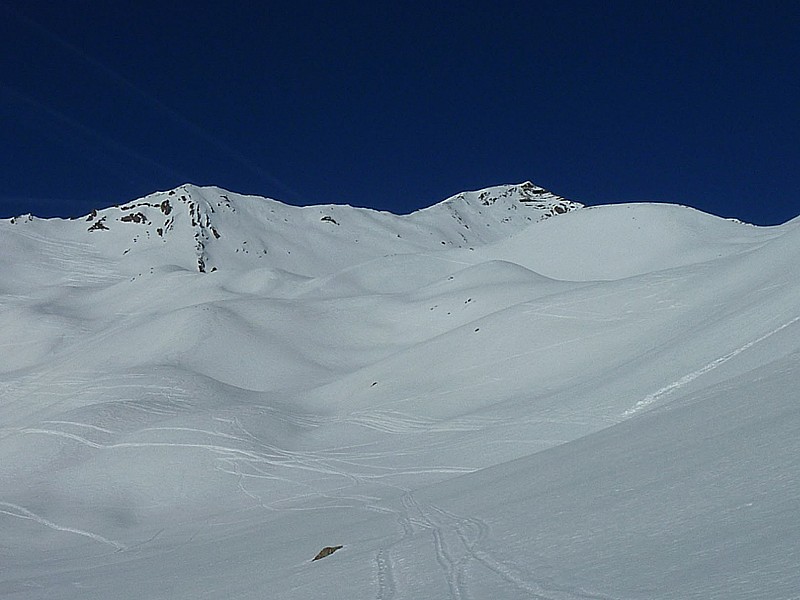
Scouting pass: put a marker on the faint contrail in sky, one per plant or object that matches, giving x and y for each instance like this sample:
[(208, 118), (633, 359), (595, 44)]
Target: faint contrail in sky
[(154, 102), (70, 123)]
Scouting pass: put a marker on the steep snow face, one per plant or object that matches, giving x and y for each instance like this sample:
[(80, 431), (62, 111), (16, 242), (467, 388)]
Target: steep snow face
[(504, 395)]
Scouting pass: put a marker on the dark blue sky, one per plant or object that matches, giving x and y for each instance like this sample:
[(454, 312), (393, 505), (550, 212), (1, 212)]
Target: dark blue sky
[(397, 105)]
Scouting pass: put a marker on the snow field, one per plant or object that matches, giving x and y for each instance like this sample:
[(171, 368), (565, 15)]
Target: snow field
[(597, 404)]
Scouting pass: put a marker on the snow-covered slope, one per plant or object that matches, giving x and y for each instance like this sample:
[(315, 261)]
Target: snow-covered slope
[(504, 395)]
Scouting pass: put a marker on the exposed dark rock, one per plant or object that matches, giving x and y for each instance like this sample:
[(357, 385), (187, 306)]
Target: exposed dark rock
[(134, 218), (326, 551), (98, 225)]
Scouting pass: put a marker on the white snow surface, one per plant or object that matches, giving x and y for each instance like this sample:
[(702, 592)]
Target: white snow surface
[(506, 395)]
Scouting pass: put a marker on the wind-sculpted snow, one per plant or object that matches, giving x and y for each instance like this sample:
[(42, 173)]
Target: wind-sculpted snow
[(502, 396)]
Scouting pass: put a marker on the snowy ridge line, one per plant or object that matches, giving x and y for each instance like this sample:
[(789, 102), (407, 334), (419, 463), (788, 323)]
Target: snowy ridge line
[(206, 229), (686, 379), (28, 515)]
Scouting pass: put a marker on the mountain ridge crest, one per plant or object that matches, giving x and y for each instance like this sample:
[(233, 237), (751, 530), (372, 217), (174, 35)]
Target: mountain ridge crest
[(207, 227)]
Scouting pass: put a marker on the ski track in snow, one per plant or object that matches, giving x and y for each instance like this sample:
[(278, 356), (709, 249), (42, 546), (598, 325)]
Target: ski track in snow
[(458, 544), (473, 532), (21, 512), (256, 460), (688, 378), (76, 424), (386, 583), (452, 568), (384, 560), (353, 466), (158, 399), (398, 422)]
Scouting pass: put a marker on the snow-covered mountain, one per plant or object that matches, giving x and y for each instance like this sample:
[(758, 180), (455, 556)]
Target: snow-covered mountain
[(504, 395), (210, 228)]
